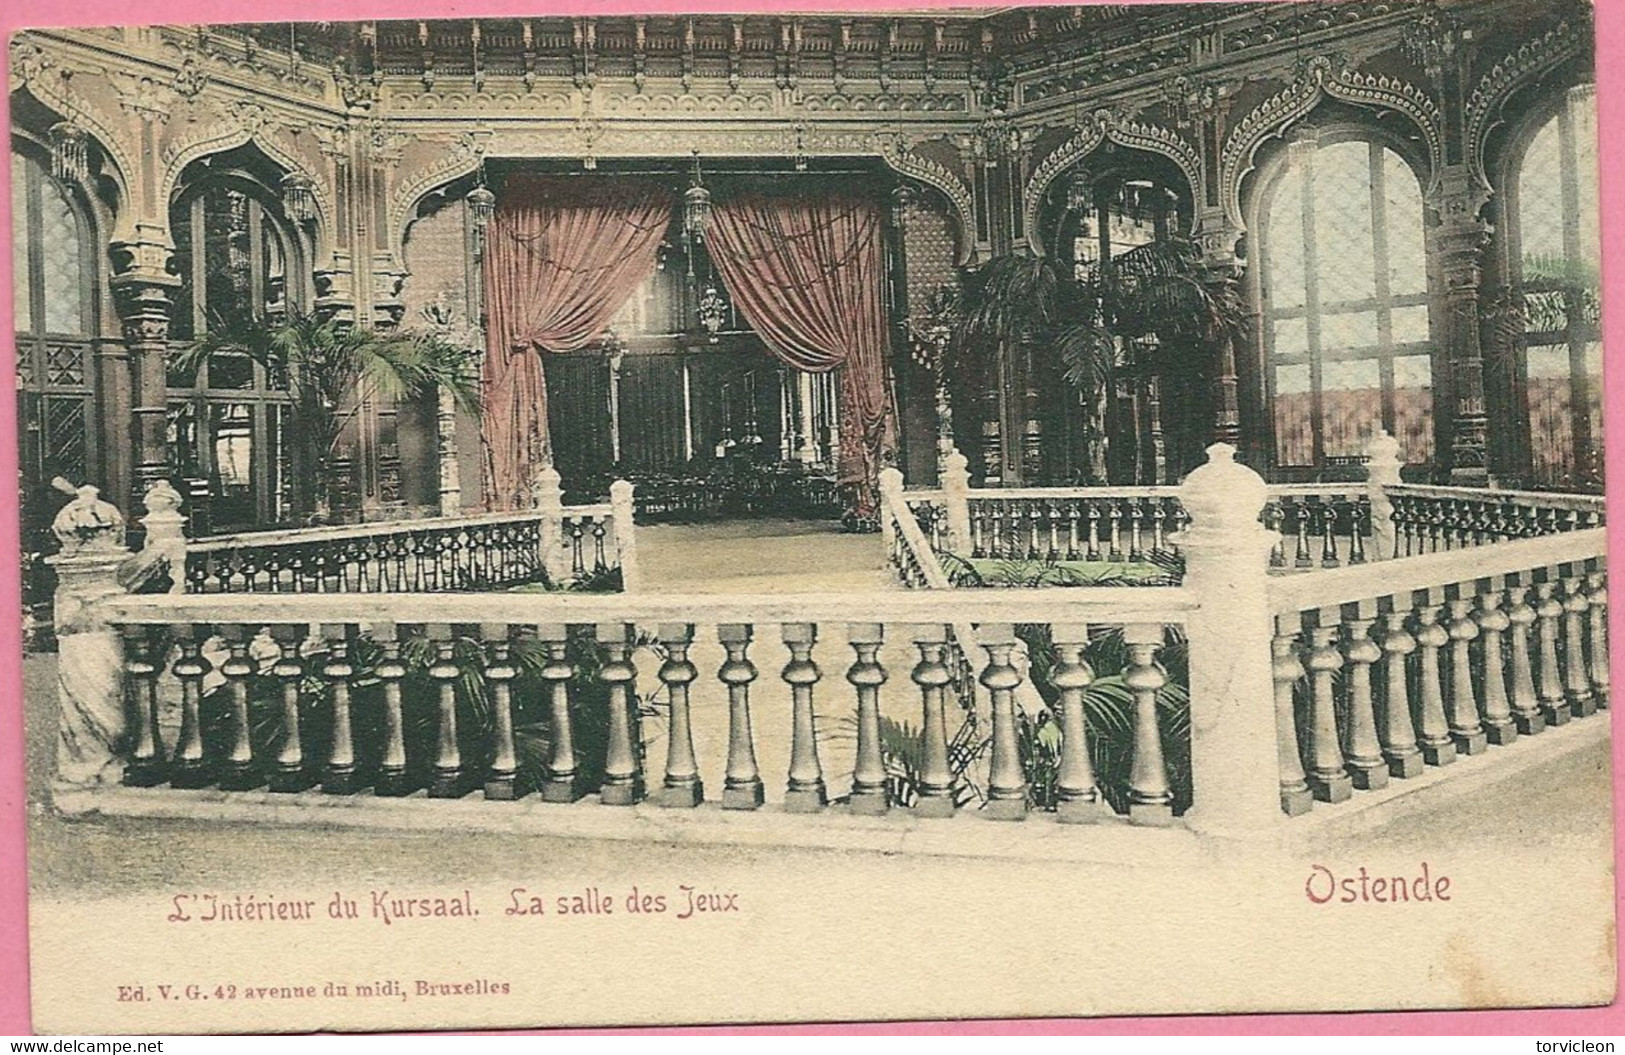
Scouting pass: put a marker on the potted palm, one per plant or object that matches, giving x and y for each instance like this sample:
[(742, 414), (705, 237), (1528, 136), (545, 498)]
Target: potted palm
[(331, 369)]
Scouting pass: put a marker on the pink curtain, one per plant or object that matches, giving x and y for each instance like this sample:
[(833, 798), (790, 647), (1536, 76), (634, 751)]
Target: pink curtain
[(808, 272), (562, 255)]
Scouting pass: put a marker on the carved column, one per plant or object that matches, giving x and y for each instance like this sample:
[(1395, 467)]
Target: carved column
[(144, 305), (1459, 241)]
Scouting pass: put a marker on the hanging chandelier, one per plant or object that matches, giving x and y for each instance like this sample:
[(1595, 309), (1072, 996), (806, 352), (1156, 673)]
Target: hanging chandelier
[(70, 153), (1080, 193), (696, 206), (299, 197), (713, 310)]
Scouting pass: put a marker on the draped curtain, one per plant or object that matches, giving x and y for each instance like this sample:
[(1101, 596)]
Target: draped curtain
[(562, 255), (807, 271)]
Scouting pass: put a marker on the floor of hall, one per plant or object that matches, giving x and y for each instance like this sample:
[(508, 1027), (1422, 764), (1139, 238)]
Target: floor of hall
[(760, 556)]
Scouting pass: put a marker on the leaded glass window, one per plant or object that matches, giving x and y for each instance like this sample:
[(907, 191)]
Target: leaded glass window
[(1346, 327)]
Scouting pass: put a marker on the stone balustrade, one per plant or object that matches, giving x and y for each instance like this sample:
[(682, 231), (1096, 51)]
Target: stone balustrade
[(1383, 671), (296, 692), (1288, 689), (552, 543), (1434, 519)]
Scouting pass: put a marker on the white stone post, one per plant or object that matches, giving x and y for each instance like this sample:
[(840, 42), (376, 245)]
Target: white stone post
[(90, 655), (1382, 472), (547, 498), (626, 542), (956, 497), (891, 506), (1235, 767), (166, 531)]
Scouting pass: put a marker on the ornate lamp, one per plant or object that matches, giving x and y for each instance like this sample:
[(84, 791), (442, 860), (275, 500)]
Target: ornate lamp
[(299, 197), (482, 204), (712, 310), (696, 206), (70, 152)]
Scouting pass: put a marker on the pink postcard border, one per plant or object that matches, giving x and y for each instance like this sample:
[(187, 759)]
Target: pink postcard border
[(14, 1004)]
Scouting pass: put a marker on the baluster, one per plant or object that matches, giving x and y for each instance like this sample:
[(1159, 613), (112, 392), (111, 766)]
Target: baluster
[(1359, 515), (500, 778), (978, 530), (1367, 766), (1526, 712), (1395, 728), (1159, 533), (1499, 728), (1274, 519), (623, 779), (1054, 511), (1072, 514), (1328, 513), (1114, 530), (1597, 582), (448, 756), (931, 674), (996, 525), (1136, 529), (188, 768), (1548, 615), (1328, 772), (288, 772), (237, 771), (561, 783), (1150, 798), (600, 560), (1007, 785), (578, 565), (1035, 527), (742, 783), (1465, 727), (682, 787), (339, 775), (392, 777), (1432, 728), (141, 659), (1301, 520), (1078, 799), (1287, 671), (1094, 531), (805, 792), (1577, 679), (867, 675)]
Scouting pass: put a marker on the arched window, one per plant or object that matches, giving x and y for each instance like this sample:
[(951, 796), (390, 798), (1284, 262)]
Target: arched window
[(240, 263), (1554, 256), (53, 276), (1345, 282)]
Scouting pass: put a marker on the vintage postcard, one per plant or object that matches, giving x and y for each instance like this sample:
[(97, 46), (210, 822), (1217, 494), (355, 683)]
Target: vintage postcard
[(568, 518)]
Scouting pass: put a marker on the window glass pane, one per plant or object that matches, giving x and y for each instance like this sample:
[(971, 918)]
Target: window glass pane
[(1294, 424), (180, 314), (1410, 325), (1345, 251), (1291, 337), (1413, 407), (231, 442), (1284, 243), (21, 286), (62, 270), (274, 267), (230, 371), (1407, 259), (1540, 205), (225, 249), (1551, 418), (1351, 405), (1348, 330)]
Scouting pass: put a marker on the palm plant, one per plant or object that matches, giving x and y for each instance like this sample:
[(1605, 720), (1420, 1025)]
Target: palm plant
[(1152, 311), (331, 369)]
